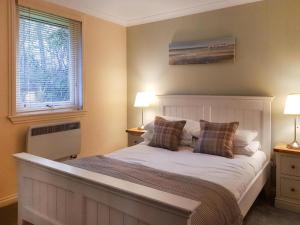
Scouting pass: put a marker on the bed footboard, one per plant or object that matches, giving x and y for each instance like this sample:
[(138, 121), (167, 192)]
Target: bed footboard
[(52, 193)]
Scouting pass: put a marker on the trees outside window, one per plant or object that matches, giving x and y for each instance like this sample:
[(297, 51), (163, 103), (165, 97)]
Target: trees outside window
[(48, 63)]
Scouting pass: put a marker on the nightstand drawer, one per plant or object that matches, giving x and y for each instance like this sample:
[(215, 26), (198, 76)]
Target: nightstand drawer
[(290, 188), (134, 140), (290, 165), (134, 136), (287, 178)]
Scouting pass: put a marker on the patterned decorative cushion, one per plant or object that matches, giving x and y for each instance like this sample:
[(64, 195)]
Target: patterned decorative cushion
[(191, 128), (216, 138), (167, 134)]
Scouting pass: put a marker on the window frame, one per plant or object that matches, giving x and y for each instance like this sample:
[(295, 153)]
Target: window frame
[(46, 114)]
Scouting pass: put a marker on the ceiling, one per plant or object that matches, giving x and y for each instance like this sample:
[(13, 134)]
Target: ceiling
[(134, 12)]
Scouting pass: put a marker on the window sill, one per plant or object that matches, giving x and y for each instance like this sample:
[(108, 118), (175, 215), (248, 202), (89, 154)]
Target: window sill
[(45, 116)]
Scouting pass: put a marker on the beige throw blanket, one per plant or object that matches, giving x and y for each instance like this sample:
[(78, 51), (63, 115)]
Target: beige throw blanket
[(218, 205)]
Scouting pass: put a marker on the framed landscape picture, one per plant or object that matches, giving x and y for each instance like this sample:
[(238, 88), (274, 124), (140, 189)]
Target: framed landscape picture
[(202, 52)]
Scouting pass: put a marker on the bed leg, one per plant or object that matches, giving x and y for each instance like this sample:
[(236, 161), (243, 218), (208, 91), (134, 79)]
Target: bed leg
[(269, 190)]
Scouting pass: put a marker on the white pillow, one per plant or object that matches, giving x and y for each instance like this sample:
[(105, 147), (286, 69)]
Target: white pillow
[(147, 136), (243, 138), (249, 150), (191, 127)]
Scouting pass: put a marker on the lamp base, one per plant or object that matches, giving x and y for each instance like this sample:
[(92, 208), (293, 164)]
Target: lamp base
[(142, 127), (294, 145)]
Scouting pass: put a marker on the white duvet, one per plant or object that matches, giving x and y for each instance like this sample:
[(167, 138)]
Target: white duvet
[(234, 174)]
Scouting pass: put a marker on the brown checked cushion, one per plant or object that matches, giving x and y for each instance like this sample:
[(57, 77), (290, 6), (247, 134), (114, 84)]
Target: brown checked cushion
[(167, 134), (216, 138)]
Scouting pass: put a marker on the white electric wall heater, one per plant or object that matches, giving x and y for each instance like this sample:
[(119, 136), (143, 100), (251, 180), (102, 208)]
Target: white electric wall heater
[(55, 141)]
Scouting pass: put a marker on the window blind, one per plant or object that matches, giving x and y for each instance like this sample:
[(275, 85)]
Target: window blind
[(49, 62)]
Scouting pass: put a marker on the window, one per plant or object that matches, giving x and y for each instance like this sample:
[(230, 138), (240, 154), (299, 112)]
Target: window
[(48, 62)]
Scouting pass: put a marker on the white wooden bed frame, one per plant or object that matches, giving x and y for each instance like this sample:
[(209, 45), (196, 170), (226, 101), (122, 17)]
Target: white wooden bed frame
[(52, 193)]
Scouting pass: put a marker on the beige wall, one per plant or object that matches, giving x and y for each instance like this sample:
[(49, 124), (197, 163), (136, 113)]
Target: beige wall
[(267, 57), (267, 63), (104, 125)]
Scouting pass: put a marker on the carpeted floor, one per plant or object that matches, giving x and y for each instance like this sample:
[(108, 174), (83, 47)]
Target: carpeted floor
[(262, 213), (8, 215)]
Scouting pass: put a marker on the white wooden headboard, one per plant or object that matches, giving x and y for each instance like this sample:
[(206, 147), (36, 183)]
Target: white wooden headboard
[(253, 113)]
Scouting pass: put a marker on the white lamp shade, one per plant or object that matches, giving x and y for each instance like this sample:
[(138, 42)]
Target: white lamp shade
[(142, 99), (292, 104)]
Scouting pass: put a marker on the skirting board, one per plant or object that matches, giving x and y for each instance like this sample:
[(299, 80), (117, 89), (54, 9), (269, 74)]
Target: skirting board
[(10, 199), (291, 206)]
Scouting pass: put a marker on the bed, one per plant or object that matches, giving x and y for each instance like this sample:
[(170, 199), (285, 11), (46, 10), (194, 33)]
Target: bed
[(55, 193)]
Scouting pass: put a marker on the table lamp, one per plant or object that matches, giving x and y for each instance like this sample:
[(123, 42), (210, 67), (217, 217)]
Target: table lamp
[(142, 100), (292, 107)]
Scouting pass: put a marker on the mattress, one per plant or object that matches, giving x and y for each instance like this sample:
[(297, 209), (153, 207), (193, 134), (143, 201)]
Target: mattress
[(233, 174)]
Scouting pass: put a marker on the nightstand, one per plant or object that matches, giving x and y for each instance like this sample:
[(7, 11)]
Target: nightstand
[(134, 136), (287, 178)]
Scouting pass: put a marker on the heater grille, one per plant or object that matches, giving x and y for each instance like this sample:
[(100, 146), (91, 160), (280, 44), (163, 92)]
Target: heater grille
[(54, 128)]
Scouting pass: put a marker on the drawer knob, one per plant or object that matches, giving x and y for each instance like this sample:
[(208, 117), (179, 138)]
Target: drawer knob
[(293, 190), (293, 167)]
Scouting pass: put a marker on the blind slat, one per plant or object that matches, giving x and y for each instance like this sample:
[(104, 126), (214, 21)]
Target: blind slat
[(48, 62)]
